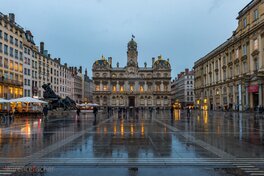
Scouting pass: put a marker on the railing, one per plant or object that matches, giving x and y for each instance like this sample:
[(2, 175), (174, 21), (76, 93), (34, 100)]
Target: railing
[(10, 81)]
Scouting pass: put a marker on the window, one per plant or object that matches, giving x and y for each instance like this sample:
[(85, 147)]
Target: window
[(237, 53), (256, 64), (245, 22), (6, 49), (114, 88), (244, 50), (97, 88), (1, 62), (11, 52), (105, 87), (5, 36), (16, 53), (121, 88), (21, 68), (244, 67), (1, 34), (141, 89), (16, 66), (16, 42), (131, 88), (25, 81), (6, 63), (11, 65), (1, 47), (21, 44), (256, 46), (256, 14), (21, 56), (11, 39)]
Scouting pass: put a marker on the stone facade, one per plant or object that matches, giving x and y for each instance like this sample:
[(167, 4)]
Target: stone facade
[(132, 86), (231, 76)]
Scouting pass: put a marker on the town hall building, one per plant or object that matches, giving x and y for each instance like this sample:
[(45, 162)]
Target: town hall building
[(132, 85)]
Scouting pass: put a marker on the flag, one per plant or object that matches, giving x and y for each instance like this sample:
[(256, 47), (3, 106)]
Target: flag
[(133, 36)]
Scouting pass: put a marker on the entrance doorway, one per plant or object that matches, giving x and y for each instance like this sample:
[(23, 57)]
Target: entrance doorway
[(255, 100), (131, 101)]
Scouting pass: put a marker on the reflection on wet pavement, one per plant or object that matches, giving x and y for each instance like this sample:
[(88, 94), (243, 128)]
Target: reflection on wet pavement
[(137, 138)]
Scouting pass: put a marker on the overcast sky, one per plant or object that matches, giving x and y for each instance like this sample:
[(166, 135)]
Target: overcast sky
[(81, 31)]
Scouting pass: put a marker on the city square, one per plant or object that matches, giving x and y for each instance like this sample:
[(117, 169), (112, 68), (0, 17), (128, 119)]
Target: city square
[(207, 143), (133, 88)]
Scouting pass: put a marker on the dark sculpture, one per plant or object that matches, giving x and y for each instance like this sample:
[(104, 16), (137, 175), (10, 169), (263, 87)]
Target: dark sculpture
[(56, 101)]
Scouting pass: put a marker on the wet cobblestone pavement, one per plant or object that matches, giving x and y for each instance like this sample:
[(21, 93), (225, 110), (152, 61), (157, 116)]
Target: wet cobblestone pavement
[(136, 143)]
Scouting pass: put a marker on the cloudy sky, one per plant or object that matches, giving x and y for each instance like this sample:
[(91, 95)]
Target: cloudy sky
[(81, 31)]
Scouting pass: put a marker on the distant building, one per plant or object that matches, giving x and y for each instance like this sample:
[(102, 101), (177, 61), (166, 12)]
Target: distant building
[(182, 88), (77, 86), (30, 66), (132, 86), (87, 88)]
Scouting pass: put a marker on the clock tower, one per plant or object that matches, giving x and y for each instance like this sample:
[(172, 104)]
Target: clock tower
[(132, 53)]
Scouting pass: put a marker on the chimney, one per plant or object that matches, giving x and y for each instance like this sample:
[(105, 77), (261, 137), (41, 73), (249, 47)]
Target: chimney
[(11, 17), (110, 61), (59, 60), (153, 60), (186, 70), (80, 69), (65, 64), (48, 55), (86, 73), (41, 47)]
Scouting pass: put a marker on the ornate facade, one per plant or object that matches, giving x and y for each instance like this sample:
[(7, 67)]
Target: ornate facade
[(232, 75), (132, 86)]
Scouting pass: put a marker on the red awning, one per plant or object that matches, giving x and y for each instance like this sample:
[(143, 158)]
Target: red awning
[(253, 89)]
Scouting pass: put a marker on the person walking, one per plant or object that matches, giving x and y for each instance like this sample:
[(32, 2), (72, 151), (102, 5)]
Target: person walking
[(78, 112), (95, 110), (45, 112), (188, 111)]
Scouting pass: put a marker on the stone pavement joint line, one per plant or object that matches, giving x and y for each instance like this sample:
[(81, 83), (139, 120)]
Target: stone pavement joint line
[(248, 166)]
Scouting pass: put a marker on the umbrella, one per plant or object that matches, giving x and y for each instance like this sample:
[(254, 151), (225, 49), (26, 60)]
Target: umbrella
[(27, 100), (94, 104), (4, 100)]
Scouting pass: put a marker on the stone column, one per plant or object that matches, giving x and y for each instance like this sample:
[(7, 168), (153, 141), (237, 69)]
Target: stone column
[(260, 94), (247, 96), (240, 96), (234, 96)]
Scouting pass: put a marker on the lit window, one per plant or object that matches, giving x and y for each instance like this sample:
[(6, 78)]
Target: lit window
[(97, 87), (105, 87), (121, 88), (131, 88), (141, 88), (114, 88)]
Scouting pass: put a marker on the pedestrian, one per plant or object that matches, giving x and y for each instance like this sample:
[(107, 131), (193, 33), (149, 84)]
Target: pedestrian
[(78, 112), (95, 110), (45, 111), (188, 111)]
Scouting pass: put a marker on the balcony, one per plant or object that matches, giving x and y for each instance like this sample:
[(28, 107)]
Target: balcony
[(10, 82)]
